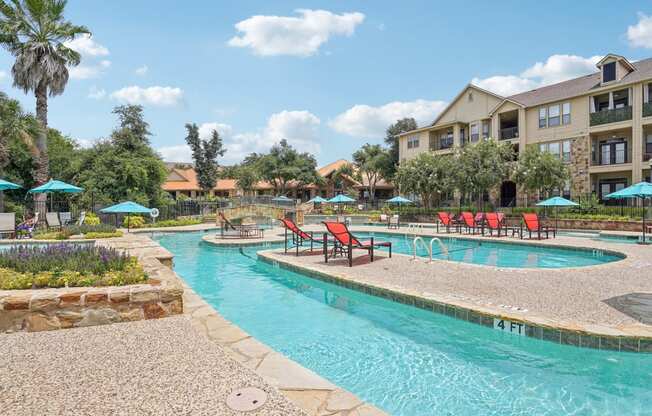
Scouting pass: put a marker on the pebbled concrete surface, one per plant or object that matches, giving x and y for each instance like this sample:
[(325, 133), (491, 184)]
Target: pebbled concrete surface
[(155, 367)]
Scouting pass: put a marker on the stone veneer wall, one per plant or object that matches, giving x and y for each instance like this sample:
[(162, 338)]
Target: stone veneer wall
[(579, 166), (48, 309)]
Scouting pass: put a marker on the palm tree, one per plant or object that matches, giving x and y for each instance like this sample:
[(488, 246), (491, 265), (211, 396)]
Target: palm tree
[(34, 32), (14, 125)]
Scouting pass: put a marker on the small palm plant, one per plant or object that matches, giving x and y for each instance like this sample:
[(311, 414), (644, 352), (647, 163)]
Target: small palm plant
[(35, 32)]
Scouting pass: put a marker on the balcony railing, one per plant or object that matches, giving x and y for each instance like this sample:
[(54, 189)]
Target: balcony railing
[(612, 158), (509, 133), (647, 109), (611, 116)]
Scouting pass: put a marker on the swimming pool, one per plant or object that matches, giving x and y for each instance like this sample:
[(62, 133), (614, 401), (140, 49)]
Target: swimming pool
[(497, 253), (598, 236), (405, 360)]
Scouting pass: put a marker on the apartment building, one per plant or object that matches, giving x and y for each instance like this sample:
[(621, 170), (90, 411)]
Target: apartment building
[(600, 124)]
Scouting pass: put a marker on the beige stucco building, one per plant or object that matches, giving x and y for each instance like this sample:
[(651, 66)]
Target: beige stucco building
[(600, 124)]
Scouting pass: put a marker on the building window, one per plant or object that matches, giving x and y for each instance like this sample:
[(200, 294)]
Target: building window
[(475, 133), (565, 113), (413, 142), (553, 115), (485, 129), (566, 151), (542, 118), (609, 72), (462, 136), (554, 149), (566, 192), (648, 144), (446, 140)]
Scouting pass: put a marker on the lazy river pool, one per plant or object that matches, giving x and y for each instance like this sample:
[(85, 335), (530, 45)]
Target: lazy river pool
[(405, 360)]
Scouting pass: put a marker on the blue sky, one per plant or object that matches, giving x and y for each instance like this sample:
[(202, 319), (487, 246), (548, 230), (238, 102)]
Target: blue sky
[(327, 75)]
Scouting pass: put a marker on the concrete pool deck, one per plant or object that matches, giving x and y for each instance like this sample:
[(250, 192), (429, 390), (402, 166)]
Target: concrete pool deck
[(608, 306)]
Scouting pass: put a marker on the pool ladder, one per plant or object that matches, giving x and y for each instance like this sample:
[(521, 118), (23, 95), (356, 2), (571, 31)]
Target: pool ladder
[(415, 244)]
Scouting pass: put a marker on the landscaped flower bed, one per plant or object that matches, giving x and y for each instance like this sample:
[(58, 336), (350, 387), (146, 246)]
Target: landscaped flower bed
[(89, 231), (67, 265)]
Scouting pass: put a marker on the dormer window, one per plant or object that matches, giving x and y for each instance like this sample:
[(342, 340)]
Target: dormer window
[(609, 72)]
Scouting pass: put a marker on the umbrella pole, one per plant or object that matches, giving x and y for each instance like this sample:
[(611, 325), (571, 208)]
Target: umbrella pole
[(644, 220)]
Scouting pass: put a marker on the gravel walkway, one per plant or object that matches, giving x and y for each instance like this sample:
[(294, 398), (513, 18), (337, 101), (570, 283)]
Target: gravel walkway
[(156, 367)]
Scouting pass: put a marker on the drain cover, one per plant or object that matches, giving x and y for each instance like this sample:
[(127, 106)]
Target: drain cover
[(246, 399)]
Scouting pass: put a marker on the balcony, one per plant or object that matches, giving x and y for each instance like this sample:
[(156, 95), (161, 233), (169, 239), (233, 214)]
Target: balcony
[(612, 157), (611, 116), (647, 157), (509, 133), (647, 109)]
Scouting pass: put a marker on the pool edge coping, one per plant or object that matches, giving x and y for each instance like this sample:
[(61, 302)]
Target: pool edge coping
[(610, 339)]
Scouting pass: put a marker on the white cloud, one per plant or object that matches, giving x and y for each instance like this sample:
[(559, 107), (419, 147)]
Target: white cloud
[(505, 85), (157, 96), (640, 34), (180, 153), (297, 36), (96, 93), (556, 68), (86, 143), (559, 68), (89, 71), (3, 75), (364, 121), (86, 46), (206, 129), (299, 128), (142, 70)]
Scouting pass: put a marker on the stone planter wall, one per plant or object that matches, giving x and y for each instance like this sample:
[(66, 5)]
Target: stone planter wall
[(635, 226), (49, 309)]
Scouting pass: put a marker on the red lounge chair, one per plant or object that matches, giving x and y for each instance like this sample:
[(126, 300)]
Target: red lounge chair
[(469, 222), (446, 220), (532, 224), (345, 242), (493, 223), (298, 236)]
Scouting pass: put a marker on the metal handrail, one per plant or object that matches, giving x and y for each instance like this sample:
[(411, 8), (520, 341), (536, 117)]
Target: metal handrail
[(444, 249), (414, 247)]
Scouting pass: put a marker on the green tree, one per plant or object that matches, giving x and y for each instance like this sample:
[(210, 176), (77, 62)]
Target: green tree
[(35, 32), (17, 132), (284, 165), (428, 175), (391, 139), (124, 166), (482, 166), (540, 172), (204, 155), (246, 178), (371, 161)]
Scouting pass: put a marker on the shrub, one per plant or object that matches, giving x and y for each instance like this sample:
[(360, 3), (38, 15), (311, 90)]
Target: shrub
[(99, 235), (177, 223), (60, 265), (51, 235), (91, 219), (133, 221)]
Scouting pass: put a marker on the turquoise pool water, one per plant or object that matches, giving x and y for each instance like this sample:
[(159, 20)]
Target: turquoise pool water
[(498, 254), (405, 360)]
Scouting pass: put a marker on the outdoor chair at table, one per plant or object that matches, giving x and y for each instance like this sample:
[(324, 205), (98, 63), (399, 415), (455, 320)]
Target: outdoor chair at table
[(65, 218), (344, 242), (8, 224), (52, 220), (82, 218), (393, 222), (533, 225), (239, 231)]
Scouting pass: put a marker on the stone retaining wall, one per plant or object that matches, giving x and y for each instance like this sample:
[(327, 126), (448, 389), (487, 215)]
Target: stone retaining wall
[(49, 309)]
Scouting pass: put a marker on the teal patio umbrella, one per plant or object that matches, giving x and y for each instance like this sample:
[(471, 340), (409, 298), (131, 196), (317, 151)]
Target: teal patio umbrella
[(399, 200), (642, 190), (53, 186), (317, 200), (341, 199), (128, 207), (556, 202), (6, 185)]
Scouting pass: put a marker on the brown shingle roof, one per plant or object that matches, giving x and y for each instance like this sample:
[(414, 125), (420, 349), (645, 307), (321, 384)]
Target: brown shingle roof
[(580, 86)]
